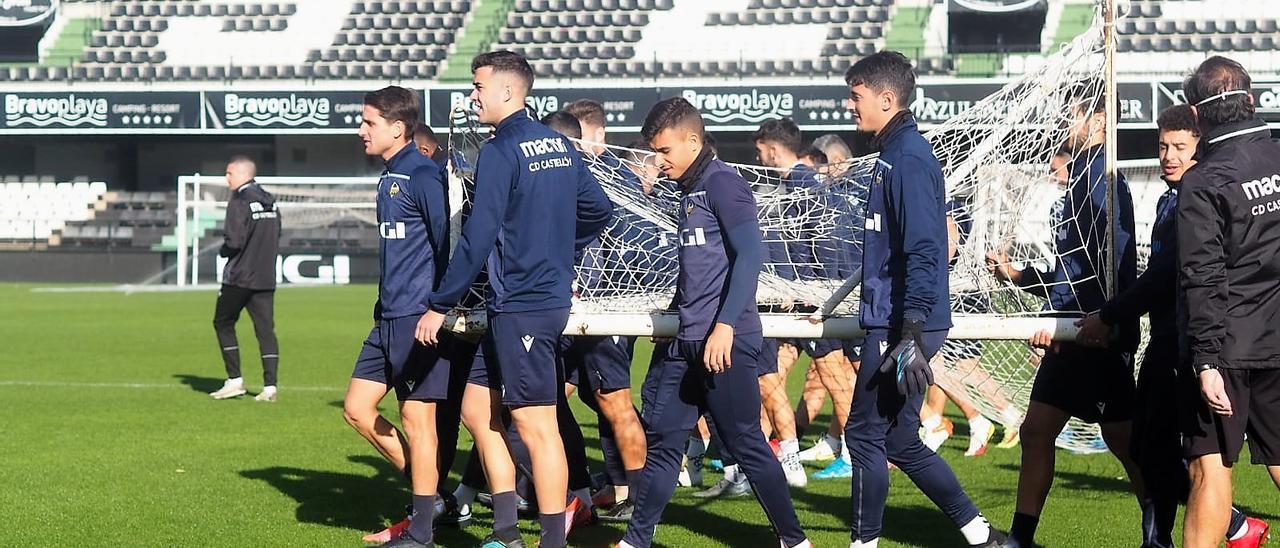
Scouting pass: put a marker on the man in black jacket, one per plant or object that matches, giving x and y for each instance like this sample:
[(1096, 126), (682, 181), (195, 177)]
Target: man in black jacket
[(1161, 390), (1229, 266), (251, 243)]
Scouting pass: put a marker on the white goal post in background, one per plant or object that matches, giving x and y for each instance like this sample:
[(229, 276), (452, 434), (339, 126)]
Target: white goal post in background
[(304, 203)]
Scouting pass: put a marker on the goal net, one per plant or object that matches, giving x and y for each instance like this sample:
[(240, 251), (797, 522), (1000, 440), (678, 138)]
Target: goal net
[(996, 157)]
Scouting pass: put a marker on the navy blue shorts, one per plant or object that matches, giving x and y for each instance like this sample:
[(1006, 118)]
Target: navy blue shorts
[(601, 364), (817, 348), (518, 356), (1092, 384), (853, 349), (390, 355), (768, 361)]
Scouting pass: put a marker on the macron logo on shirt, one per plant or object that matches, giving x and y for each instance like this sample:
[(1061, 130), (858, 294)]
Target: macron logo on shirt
[(546, 145)]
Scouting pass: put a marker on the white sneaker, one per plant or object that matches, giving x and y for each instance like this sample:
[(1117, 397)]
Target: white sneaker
[(268, 394), (796, 476), (934, 439), (683, 479), (821, 451), (230, 389), (980, 432)]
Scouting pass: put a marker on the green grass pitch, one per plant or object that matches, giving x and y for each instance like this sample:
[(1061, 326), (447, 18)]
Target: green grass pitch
[(108, 439)]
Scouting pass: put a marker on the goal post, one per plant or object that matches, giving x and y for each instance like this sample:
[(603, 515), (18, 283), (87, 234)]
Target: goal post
[(304, 203)]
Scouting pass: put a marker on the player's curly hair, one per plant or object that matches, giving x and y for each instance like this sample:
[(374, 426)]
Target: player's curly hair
[(672, 113), (1178, 118)]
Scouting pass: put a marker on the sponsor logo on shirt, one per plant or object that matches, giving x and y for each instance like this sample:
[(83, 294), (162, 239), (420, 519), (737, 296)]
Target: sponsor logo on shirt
[(391, 231), (260, 212), (538, 147), (693, 236), (873, 223), (1263, 187)]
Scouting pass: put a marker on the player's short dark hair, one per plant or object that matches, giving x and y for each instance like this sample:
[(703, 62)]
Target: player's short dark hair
[(782, 131), (635, 151), (672, 113), (884, 70), (506, 61), (815, 155), (241, 159), (425, 131), (1217, 75), (1087, 96), (397, 104), (1178, 118), (587, 111), (563, 123)]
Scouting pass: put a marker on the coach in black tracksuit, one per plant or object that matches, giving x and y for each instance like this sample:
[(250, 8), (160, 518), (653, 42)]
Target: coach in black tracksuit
[(252, 241), (1229, 262)]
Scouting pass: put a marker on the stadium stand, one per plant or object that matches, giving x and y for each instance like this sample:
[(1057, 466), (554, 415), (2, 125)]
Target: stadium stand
[(164, 40), (1179, 33), (39, 212), (33, 208), (167, 40)]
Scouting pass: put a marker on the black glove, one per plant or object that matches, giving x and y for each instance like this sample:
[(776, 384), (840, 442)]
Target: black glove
[(907, 361)]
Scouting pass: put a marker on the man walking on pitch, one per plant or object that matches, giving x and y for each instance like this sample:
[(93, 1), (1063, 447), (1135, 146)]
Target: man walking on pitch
[(251, 241), (905, 308), (412, 222), (1229, 261), (1092, 384), (1161, 391), (712, 363), (524, 225)]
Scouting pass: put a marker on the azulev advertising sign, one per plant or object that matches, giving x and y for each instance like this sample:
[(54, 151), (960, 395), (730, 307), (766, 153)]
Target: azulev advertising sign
[(99, 110)]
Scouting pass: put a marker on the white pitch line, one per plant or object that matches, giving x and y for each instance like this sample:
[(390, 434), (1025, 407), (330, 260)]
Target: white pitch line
[(145, 386)]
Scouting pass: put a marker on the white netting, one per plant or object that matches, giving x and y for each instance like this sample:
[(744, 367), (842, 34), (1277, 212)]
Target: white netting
[(996, 157)]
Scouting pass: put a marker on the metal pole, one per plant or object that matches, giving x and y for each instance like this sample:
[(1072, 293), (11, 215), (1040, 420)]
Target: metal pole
[(1113, 217), (194, 227), (182, 231)]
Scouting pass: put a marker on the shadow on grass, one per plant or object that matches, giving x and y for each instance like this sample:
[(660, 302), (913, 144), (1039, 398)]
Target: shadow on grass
[(354, 501), (1084, 481), (200, 384), (915, 525)]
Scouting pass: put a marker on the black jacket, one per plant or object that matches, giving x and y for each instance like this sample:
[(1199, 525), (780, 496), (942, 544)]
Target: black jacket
[(251, 238), (1229, 249)]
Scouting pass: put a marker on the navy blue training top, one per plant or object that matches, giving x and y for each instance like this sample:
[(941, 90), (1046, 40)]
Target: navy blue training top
[(413, 225), (536, 203), (1151, 292), (904, 252), (720, 201), (1078, 279)]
